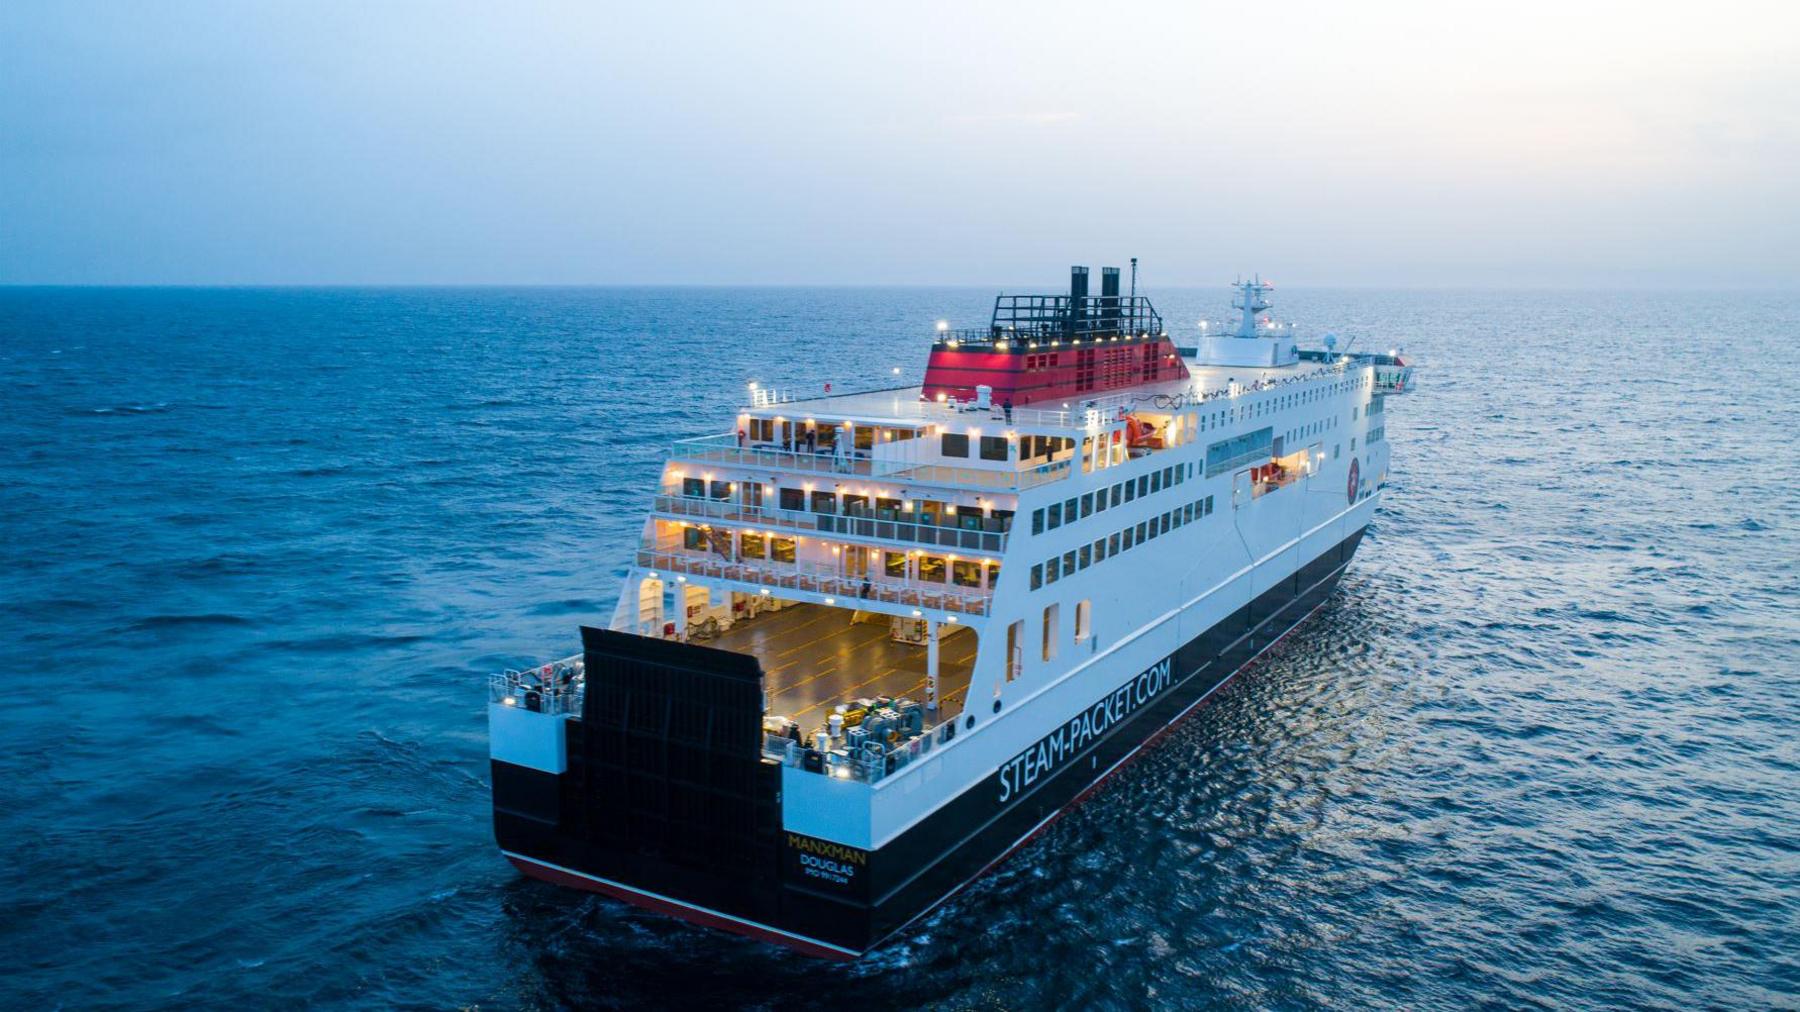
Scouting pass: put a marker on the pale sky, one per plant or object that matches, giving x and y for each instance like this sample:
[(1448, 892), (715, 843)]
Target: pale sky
[(1404, 144)]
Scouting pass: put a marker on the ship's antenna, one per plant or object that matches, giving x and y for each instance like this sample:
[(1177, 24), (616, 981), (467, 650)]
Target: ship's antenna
[(1134, 311)]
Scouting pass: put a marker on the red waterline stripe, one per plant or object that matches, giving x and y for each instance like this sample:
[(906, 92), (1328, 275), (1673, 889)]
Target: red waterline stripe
[(569, 877)]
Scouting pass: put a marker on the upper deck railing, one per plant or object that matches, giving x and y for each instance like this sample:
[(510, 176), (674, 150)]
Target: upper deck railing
[(1063, 317), (725, 449), (819, 579), (906, 409), (874, 525)]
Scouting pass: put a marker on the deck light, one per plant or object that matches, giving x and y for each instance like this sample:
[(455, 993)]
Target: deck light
[(510, 701), (651, 575), (917, 613), (950, 619), (831, 600), (943, 325)]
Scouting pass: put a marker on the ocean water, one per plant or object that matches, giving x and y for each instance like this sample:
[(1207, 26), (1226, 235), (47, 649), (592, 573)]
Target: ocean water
[(261, 548)]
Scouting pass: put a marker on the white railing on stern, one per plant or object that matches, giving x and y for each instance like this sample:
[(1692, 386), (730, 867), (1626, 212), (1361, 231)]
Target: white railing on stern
[(820, 579), (553, 688)]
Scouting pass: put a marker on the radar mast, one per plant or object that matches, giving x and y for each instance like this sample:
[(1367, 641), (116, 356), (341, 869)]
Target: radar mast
[(1251, 299)]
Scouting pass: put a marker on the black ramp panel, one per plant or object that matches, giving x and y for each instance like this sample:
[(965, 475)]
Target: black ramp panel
[(675, 795)]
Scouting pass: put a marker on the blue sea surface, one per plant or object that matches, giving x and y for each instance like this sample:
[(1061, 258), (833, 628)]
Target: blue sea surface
[(262, 547)]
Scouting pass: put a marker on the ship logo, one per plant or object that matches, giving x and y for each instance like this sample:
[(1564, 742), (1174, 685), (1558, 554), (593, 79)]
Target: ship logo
[(1355, 476)]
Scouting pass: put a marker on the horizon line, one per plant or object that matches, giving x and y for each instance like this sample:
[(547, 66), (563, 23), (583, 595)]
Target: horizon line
[(567, 285)]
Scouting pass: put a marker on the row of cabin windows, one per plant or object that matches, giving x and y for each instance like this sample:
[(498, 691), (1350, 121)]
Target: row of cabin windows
[(1376, 435), (1214, 419), (699, 488), (935, 568), (819, 434), (956, 444), (1311, 429), (1049, 635), (1088, 503), (750, 546), (1073, 561)]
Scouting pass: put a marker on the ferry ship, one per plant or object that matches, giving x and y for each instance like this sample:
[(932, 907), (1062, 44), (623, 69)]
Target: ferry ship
[(872, 642)]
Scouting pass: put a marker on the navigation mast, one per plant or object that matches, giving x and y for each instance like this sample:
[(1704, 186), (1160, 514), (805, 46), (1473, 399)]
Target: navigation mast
[(1251, 299)]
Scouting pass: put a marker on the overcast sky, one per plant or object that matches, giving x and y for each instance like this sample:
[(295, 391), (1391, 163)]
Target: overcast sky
[(1372, 143)]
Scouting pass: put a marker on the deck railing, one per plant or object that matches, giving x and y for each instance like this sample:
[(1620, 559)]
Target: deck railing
[(724, 449), (870, 765), (819, 579), (871, 528), (1392, 379), (555, 688)]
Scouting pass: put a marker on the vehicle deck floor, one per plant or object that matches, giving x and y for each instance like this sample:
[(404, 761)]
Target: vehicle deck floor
[(813, 658)]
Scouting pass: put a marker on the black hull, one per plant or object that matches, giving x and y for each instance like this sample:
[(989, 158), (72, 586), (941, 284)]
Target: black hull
[(615, 822)]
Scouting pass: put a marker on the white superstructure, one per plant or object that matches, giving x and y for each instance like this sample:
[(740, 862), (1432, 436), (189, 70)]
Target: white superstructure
[(952, 602)]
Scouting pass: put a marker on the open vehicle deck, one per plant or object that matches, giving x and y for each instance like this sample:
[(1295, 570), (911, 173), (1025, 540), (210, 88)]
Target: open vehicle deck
[(813, 657)]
